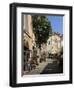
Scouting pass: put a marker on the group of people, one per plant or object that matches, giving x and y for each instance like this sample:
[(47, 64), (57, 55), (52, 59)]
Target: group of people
[(32, 61)]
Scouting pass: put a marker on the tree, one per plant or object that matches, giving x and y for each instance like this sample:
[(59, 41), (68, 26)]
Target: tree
[(41, 28)]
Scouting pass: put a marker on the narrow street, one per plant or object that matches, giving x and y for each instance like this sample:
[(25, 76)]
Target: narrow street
[(43, 46), (51, 66)]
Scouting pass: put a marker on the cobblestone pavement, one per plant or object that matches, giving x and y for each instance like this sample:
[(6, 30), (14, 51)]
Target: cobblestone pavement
[(53, 68)]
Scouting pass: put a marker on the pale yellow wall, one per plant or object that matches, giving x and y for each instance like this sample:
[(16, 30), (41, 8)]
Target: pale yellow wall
[(30, 29), (55, 44), (28, 26)]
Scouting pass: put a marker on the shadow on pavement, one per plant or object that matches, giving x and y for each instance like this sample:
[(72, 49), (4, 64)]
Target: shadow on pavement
[(53, 68)]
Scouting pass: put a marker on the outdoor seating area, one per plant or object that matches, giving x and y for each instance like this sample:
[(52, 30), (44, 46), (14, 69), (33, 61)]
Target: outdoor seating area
[(33, 62)]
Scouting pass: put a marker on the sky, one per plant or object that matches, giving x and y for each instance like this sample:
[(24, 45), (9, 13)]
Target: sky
[(56, 23)]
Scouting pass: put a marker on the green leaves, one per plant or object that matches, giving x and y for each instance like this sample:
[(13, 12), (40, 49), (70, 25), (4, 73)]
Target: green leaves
[(42, 28)]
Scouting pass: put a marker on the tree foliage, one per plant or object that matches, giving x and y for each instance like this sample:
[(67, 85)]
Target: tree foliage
[(42, 28)]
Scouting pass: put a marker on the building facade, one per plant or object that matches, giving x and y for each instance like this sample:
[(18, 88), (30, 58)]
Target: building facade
[(28, 35), (28, 40), (54, 43)]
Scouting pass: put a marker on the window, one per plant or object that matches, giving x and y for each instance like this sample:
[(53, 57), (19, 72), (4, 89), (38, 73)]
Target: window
[(49, 42)]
